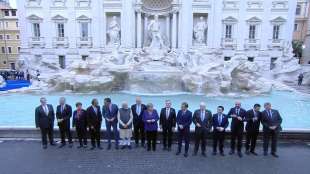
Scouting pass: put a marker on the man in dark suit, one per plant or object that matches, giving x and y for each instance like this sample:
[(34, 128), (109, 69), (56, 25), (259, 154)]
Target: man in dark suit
[(44, 117), (94, 120), (184, 120), (79, 121), (237, 126), (137, 112), (203, 122), (220, 123), (63, 115), (271, 121), (167, 123), (109, 113), (253, 118)]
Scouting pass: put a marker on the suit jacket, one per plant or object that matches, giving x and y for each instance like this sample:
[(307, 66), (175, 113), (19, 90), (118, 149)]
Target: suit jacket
[(81, 121), (251, 124), (235, 123), (66, 114), (94, 119), (276, 120), (43, 120), (184, 119), (107, 113), (170, 122), (137, 118), (205, 124), (215, 122)]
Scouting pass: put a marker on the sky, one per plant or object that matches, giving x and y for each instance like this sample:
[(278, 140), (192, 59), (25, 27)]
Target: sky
[(13, 3)]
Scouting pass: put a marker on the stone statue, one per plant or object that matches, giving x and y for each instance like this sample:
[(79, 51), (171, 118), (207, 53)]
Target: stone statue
[(114, 32), (156, 37), (199, 31)]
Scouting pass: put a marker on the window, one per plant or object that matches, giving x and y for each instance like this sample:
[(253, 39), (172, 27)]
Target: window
[(298, 9), (84, 30), (227, 58), (10, 50), (251, 59), (1, 37), (60, 30), (18, 49), (272, 62), (13, 13), (8, 37), (6, 13), (16, 24), (36, 30), (252, 31), (62, 62), (2, 49), (228, 31), (12, 66), (17, 37), (276, 32), (84, 57), (295, 27), (6, 24)]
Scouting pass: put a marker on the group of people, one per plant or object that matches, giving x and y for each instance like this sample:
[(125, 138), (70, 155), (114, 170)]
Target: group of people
[(13, 75), (146, 121)]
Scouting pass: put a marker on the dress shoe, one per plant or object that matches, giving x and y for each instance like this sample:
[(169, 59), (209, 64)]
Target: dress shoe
[(213, 153), (80, 146), (254, 153), (265, 154), (53, 144), (185, 155), (204, 154), (109, 147), (99, 147), (247, 152), (195, 154), (129, 147), (222, 154), (116, 147), (231, 152), (44, 146), (123, 147), (62, 145), (92, 148), (169, 149), (70, 145), (240, 154), (178, 153), (275, 155), (85, 146)]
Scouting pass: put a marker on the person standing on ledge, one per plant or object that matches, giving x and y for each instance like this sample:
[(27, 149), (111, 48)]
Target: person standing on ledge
[(271, 121), (94, 120), (220, 123), (300, 79), (202, 120), (109, 113), (125, 118), (167, 123), (184, 120), (237, 126), (253, 118), (79, 121), (137, 111), (150, 119), (44, 117), (63, 115)]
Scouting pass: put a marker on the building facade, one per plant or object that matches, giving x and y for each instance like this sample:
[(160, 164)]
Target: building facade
[(9, 36), (63, 30)]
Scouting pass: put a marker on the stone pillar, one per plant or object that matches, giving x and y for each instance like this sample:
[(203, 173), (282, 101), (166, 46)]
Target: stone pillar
[(174, 30), (146, 19), (168, 28), (139, 31)]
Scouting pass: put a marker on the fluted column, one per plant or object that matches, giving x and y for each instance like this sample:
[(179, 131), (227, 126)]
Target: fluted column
[(139, 31), (174, 30), (168, 27)]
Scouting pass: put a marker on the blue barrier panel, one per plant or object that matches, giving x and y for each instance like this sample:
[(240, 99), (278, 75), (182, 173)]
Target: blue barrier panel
[(15, 84)]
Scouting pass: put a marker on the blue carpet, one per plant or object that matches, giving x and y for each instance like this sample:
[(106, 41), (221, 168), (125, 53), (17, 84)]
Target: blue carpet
[(15, 84)]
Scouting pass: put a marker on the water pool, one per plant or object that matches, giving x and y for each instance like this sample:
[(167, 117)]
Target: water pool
[(17, 110)]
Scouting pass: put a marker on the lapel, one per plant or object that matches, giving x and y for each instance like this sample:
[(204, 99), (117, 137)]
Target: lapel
[(42, 110)]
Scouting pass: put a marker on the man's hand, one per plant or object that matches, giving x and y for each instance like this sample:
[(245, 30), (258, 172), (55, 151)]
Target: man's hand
[(239, 118), (255, 119), (160, 127), (234, 115), (181, 126), (125, 126), (59, 120), (92, 127), (149, 121), (173, 129), (198, 125)]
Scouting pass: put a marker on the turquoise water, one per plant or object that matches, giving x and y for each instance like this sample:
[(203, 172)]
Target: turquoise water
[(17, 110)]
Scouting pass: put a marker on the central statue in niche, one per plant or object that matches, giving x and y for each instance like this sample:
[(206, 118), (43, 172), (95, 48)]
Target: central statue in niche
[(156, 36)]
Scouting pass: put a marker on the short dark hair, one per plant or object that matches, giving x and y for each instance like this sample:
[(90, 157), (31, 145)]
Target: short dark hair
[(93, 101), (185, 104), (78, 104), (107, 100), (256, 105), (222, 107)]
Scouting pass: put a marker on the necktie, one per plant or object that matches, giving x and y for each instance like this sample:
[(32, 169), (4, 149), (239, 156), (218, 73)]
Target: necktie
[(62, 108), (237, 112), (167, 113), (270, 114), (138, 109), (202, 115), (45, 110), (220, 119)]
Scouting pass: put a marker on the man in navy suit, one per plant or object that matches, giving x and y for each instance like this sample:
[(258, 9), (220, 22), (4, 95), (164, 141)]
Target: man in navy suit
[(63, 115), (253, 118), (94, 120), (79, 121), (271, 121), (219, 123), (109, 113), (167, 123), (137, 112), (184, 120), (44, 117), (202, 119), (237, 126)]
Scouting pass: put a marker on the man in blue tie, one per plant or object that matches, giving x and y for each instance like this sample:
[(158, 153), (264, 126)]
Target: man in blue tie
[(271, 121), (109, 113), (219, 123), (203, 122), (137, 112), (184, 120)]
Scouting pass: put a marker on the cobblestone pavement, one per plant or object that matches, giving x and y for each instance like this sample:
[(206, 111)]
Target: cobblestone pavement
[(27, 157)]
